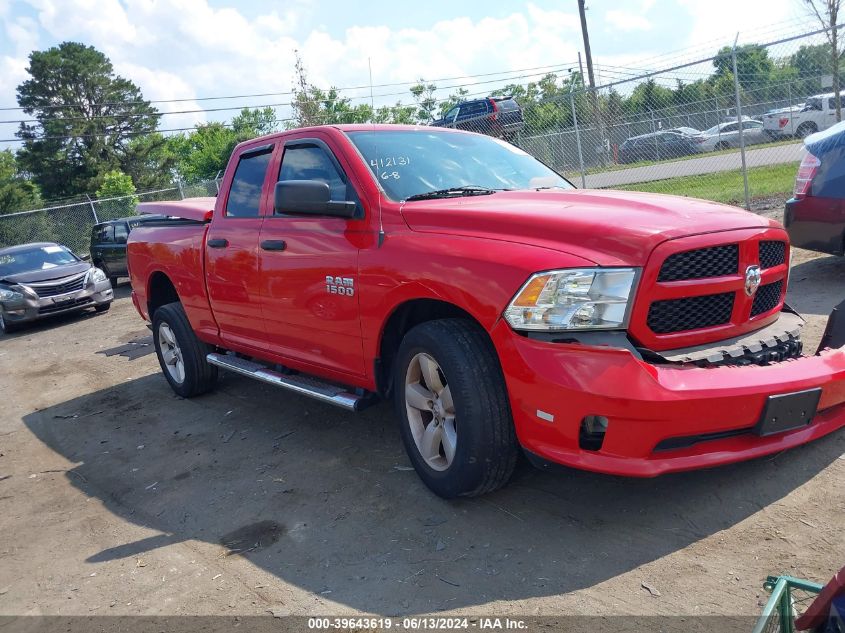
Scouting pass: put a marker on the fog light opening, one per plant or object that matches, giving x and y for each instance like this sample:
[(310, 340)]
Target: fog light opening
[(593, 430)]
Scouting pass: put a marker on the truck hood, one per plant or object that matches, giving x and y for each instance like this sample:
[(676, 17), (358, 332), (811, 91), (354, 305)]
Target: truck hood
[(610, 228), (47, 274)]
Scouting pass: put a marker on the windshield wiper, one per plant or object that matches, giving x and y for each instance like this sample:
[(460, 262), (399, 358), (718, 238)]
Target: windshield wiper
[(467, 190)]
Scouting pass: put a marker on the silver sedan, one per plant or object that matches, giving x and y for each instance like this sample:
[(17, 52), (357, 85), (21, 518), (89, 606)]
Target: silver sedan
[(726, 136)]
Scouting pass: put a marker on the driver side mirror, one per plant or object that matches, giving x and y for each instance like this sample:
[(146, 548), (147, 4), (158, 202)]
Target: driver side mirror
[(309, 197)]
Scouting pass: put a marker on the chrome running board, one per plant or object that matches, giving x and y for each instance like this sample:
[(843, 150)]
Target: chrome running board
[(298, 383)]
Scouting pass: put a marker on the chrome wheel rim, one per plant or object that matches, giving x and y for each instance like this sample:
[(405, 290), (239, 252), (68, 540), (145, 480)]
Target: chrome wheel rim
[(171, 354), (2, 324), (431, 412)]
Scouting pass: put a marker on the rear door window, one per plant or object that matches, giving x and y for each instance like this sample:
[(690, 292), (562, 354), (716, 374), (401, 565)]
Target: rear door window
[(104, 234), (473, 109), (245, 193), (121, 233)]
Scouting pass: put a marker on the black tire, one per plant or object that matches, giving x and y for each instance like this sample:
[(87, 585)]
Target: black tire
[(8, 328), (103, 307), (113, 282), (199, 376), (805, 129), (722, 145), (486, 448)]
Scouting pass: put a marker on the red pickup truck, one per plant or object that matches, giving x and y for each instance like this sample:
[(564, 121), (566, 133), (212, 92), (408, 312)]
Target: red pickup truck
[(500, 308)]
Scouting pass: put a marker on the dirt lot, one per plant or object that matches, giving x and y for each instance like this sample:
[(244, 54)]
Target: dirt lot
[(116, 497)]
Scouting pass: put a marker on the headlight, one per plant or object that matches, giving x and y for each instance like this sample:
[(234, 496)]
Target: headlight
[(10, 295), (98, 275), (574, 299)]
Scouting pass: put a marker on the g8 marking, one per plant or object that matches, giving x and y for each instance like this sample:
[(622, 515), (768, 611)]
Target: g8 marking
[(340, 285)]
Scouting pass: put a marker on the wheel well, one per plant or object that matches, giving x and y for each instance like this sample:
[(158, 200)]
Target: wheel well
[(405, 317), (162, 291)]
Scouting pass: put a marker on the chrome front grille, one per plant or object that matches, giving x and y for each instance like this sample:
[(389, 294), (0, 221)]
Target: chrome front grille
[(57, 287)]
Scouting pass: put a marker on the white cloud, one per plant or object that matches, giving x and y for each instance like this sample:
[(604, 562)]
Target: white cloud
[(23, 33), (627, 21)]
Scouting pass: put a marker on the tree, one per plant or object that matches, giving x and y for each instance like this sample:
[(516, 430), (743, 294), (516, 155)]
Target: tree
[(827, 13), (752, 62), (205, 151), (85, 119), (423, 94), (117, 195), (17, 193)]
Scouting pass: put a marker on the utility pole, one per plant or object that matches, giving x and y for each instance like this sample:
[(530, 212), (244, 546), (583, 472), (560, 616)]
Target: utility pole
[(582, 10)]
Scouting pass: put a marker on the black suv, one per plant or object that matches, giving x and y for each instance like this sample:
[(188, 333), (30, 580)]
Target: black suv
[(494, 116), (108, 244)]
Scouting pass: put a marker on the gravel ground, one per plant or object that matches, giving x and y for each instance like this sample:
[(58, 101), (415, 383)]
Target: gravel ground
[(116, 497)]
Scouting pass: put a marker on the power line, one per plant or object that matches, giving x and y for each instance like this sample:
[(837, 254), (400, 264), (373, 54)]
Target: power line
[(550, 69), (280, 94)]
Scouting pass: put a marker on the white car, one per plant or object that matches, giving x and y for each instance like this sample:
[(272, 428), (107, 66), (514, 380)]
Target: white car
[(726, 135)]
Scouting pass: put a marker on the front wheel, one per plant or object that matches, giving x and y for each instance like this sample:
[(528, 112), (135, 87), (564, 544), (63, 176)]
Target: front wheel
[(6, 327), (180, 353), (455, 418)]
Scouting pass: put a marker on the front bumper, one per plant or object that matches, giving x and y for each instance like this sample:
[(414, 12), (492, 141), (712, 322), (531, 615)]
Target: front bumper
[(661, 418), (33, 308)]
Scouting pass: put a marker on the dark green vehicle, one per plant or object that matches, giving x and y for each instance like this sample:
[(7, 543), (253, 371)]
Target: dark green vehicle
[(108, 244)]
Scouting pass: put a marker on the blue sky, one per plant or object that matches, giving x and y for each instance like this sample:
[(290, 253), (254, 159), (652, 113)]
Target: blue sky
[(185, 49)]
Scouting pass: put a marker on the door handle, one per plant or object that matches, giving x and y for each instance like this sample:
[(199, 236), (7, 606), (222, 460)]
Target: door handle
[(273, 245), (218, 242)]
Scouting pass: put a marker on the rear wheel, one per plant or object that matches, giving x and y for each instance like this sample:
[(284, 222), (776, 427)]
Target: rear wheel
[(722, 145), (805, 129), (454, 413), (180, 353)]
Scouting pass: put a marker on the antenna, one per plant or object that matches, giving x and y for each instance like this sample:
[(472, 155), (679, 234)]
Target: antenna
[(375, 146)]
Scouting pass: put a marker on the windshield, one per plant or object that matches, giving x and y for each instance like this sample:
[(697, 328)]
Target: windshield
[(413, 162), (40, 258), (713, 130)]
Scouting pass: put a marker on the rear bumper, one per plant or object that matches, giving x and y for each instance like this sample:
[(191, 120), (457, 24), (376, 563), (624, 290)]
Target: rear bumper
[(817, 224), (34, 308), (706, 414)]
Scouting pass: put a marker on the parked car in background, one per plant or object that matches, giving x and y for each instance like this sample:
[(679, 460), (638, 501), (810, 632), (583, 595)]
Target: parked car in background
[(656, 146), (43, 279), (815, 215), (689, 131), (494, 116), (726, 135), (108, 244), (818, 113), (778, 123)]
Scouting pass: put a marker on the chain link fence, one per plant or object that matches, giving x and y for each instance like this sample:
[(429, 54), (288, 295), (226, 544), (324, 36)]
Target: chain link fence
[(727, 127), (71, 224)]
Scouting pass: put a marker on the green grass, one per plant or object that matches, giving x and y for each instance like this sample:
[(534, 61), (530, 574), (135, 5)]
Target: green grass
[(726, 186), (575, 174)]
